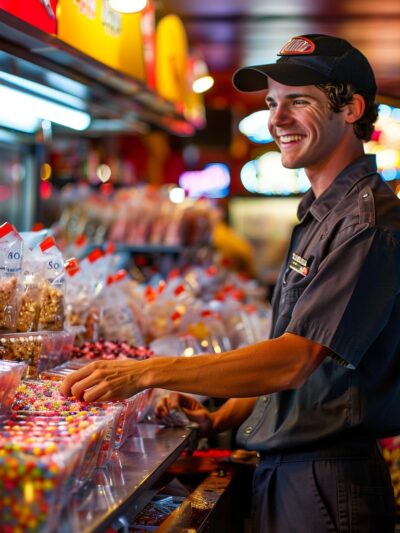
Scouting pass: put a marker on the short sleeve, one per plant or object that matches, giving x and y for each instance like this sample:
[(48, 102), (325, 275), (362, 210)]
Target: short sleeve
[(349, 301)]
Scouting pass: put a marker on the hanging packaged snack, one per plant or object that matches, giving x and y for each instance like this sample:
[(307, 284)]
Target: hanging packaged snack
[(51, 316), (119, 320), (92, 275), (32, 278), (11, 250), (80, 305), (96, 267)]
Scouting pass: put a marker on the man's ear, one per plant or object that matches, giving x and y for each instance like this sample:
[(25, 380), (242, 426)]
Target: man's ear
[(355, 109)]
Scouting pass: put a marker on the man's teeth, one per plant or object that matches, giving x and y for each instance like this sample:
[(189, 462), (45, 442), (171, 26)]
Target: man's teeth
[(290, 138)]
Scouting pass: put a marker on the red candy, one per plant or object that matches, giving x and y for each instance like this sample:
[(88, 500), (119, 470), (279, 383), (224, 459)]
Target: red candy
[(104, 349)]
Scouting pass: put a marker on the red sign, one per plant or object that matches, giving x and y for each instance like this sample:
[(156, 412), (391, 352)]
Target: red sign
[(39, 13)]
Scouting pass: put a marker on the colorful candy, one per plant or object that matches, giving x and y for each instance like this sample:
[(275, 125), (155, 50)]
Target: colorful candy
[(104, 349), (34, 483)]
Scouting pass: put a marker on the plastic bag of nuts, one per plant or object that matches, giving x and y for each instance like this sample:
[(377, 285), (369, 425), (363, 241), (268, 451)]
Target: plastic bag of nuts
[(11, 248), (8, 303), (29, 307), (52, 313), (80, 302)]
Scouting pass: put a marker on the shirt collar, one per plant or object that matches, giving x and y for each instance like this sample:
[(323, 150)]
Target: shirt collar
[(341, 185)]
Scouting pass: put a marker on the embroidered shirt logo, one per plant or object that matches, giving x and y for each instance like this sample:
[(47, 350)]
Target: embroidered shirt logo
[(297, 46)]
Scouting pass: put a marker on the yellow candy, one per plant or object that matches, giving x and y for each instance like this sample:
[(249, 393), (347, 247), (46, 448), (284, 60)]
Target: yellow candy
[(51, 447)]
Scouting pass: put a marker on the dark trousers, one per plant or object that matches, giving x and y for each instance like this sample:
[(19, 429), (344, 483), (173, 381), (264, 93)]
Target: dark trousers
[(338, 488)]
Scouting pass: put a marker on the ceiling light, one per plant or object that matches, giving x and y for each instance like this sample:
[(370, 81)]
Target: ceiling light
[(202, 81), (43, 90), (127, 6), (28, 105), (18, 121)]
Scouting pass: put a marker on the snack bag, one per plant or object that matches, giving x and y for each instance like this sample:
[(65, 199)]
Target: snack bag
[(133, 294), (33, 238), (11, 250), (76, 298), (96, 267), (29, 307), (118, 319), (80, 302), (51, 316)]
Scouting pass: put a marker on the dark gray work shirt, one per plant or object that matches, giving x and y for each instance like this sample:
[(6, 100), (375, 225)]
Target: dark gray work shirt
[(340, 287)]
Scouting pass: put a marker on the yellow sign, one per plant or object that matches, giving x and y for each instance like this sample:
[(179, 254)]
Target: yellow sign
[(171, 59), (95, 29)]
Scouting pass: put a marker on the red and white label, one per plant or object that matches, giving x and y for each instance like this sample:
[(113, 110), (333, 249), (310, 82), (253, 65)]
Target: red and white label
[(297, 46)]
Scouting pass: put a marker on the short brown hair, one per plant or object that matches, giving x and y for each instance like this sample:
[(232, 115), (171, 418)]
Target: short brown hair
[(340, 94)]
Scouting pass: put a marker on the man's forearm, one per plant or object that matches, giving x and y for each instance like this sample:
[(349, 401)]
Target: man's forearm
[(261, 368)]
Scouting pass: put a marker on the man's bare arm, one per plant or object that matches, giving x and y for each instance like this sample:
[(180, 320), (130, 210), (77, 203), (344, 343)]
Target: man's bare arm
[(268, 366)]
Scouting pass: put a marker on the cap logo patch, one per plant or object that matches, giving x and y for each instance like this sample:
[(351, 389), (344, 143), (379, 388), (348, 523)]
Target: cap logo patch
[(297, 46)]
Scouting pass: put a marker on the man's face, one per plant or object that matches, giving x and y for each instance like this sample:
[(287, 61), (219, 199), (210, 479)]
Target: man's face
[(305, 129)]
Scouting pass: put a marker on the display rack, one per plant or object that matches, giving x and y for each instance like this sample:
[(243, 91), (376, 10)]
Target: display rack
[(30, 53), (149, 249)]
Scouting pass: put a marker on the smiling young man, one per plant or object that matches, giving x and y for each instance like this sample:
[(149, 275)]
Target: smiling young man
[(315, 397)]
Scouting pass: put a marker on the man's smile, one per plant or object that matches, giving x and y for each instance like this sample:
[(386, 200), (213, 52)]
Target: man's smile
[(291, 138)]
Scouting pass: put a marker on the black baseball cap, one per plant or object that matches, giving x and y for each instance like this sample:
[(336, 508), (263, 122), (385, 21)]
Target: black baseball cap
[(310, 60)]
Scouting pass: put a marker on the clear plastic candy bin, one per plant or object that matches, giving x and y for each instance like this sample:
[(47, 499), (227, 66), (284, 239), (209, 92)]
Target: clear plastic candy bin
[(33, 484), (70, 428), (10, 377), (96, 424), (130, 410), (94, 438), (127, 419), (39, 350)]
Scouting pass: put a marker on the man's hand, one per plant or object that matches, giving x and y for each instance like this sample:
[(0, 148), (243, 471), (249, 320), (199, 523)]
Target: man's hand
[(229, 416), (104, 380), (194, 410)]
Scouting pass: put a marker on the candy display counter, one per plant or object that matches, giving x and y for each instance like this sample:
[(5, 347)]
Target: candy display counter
[(127, 483)]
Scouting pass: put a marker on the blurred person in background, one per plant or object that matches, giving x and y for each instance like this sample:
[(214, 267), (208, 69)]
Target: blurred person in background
[(316, 396), (235, 251)]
